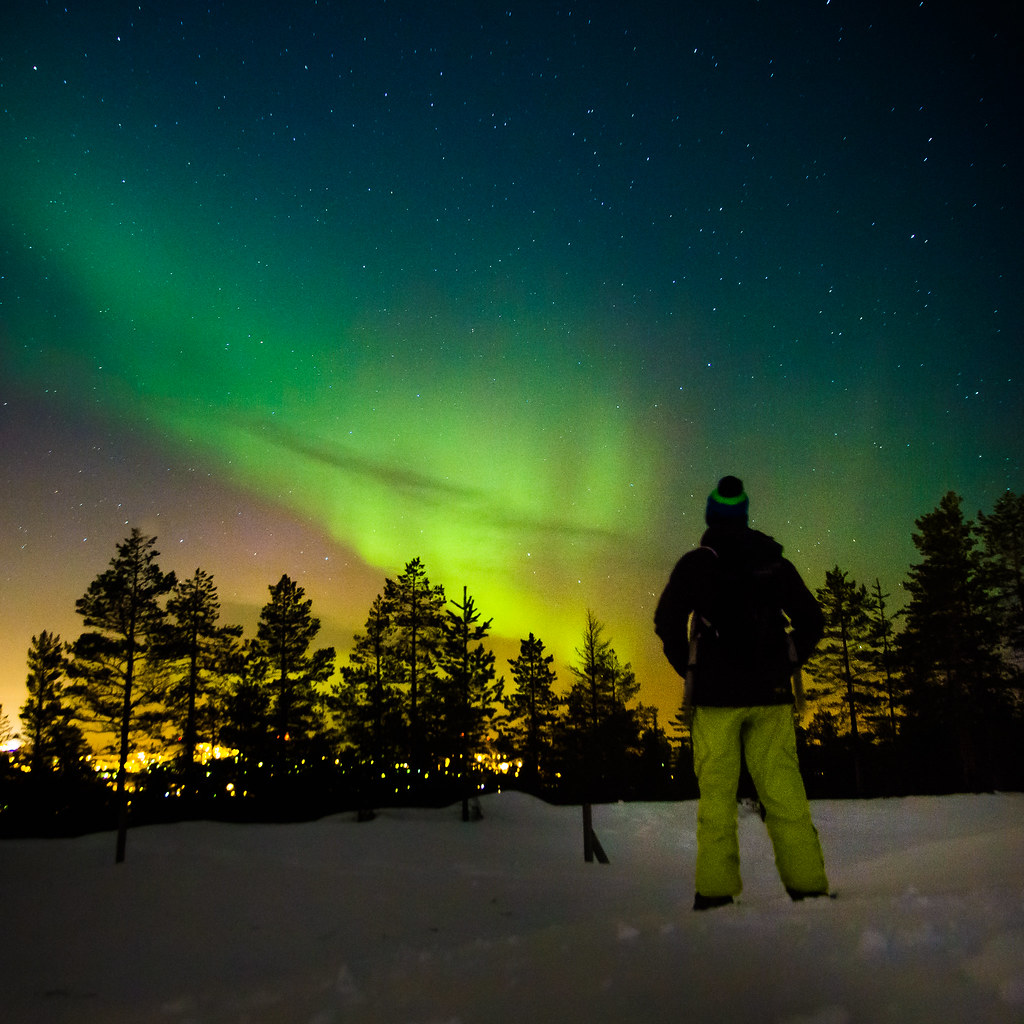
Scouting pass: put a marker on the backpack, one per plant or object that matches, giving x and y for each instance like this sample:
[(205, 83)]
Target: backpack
[(740, 618)]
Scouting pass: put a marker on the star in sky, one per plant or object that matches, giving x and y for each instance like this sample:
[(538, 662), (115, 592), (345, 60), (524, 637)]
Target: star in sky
[(506, 289)]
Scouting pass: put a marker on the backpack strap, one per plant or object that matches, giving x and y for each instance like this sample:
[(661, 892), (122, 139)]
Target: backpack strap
[(696, 622)]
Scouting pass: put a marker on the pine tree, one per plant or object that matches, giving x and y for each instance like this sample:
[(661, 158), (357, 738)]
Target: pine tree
[(949, 635), (55, 741), (369, 701), (203, 649), (533, 708), (116, 673), (247, 725), (285, 632), (7, 772), (464, 698), (416, 611), (844, 656), (882, 644), (1002, 533), (654, 760), (950, 642)]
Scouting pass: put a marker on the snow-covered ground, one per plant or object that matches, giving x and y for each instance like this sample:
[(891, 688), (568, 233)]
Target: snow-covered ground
[(416, 917)]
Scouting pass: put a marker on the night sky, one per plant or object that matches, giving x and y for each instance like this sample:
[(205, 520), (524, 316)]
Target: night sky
[(505, 287)]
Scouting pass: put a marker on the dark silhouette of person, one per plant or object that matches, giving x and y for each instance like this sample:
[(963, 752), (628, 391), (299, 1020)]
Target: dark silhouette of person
[(736, 622)]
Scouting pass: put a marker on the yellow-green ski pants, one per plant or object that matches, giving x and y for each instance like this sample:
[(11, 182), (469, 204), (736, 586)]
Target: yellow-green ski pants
[(767, 740)]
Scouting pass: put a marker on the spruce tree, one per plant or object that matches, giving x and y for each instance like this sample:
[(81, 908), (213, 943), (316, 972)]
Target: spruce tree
[(599, 724), (602, 686)]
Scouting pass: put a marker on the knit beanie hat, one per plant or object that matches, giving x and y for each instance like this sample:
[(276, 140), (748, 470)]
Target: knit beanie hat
[(727, 503)]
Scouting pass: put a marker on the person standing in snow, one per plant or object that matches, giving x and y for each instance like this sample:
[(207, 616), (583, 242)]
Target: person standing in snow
[(722, 620)]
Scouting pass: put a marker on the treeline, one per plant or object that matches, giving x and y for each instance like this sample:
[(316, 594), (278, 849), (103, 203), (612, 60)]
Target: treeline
[(923, 700), (927, 700), (416, 714)]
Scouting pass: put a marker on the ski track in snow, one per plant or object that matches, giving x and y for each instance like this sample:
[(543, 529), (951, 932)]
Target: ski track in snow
[(418, 918)]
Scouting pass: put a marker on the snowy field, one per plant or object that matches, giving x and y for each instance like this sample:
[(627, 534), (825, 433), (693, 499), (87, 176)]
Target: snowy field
[(417, 918)]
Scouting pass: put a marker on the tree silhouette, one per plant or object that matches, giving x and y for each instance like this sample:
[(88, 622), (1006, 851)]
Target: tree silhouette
[(285, 632), (533, 708), (122, 607), (654, 767), (194, 638), (247, 721), (601, 685), (1003, 535), (950, 642), (416, 611), (464, 699), (55, 741), (599, 725), (6, 770), (882, 642), (843, 657), (369, 702)]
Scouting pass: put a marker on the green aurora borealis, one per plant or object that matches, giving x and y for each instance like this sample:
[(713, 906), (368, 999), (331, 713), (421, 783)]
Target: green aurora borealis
[(506, 289)]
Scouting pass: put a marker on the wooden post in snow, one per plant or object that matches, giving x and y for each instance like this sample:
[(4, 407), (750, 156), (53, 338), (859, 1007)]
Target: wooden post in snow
[(591, 844)]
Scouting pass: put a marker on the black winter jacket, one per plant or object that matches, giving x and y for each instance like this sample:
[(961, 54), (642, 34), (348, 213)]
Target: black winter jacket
[(742, 592)]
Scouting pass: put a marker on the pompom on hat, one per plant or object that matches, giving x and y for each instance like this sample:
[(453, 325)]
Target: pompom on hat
[(727, 503)]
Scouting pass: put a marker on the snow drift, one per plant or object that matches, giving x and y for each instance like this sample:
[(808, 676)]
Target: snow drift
[(416, 917)]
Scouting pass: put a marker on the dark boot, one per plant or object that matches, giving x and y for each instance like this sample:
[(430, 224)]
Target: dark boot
[(796, 895), (710, 902)]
